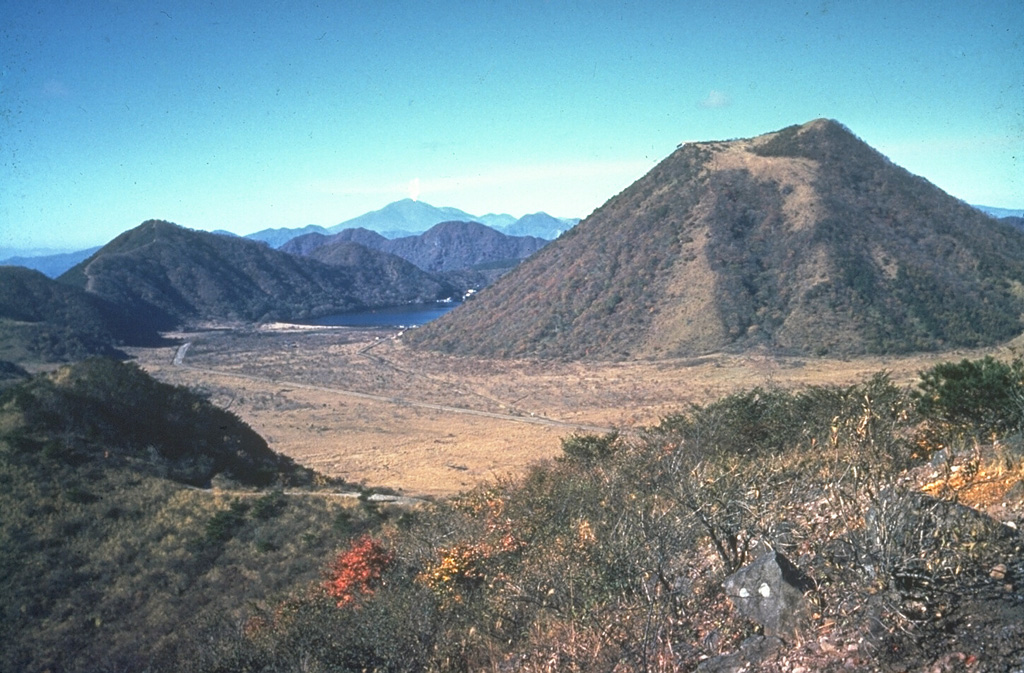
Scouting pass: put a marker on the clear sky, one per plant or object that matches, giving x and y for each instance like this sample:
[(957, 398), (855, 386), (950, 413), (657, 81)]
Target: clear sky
[(248, 114)]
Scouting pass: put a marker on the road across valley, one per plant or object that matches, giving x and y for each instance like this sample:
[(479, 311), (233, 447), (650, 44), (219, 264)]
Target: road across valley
[(179, 361)]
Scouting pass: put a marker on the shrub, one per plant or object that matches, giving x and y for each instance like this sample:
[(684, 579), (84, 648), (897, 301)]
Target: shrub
[(269, 505), (457, 571), (590, 448), (222, 526), (613, 556), (357, 571), (980, 396)]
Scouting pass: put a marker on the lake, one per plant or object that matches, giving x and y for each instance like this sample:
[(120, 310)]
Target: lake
[(392, 316)]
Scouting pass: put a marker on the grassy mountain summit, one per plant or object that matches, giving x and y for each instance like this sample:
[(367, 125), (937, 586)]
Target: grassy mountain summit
[(803, 241), (167, 275)]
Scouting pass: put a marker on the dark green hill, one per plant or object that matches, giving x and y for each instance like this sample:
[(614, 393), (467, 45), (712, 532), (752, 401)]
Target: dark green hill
[(41, 319), (166, 275), (100, 411), (803, 241), (452, 246), (447, 246), (377, 267), (304, 245)]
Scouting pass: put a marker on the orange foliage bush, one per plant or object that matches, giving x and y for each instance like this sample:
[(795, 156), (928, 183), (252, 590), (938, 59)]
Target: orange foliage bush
[(357, 570)]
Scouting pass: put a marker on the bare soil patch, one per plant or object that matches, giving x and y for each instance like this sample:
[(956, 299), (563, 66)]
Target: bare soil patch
[(360, 405)]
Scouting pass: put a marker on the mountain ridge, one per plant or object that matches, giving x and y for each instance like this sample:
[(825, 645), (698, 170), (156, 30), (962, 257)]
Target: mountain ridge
[(402, 218), (52, 265), (805, 241), (446, 246), (168, 275), (277, 237), (408, 217)]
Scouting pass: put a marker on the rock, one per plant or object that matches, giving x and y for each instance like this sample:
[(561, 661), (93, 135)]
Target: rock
[(939, 458), (770, 591), (908, 524), (1011, 448), (1015, 493)]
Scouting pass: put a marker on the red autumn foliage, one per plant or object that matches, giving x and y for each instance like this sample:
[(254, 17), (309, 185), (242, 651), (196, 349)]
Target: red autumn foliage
[(357, 570)]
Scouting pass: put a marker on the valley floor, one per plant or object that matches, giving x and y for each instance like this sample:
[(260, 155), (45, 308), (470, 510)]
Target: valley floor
[(359, 405)]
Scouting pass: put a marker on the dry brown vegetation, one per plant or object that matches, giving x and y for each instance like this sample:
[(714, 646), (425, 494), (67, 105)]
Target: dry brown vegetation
[(360, 405), (610, 556), (805, 241), (613, 555)]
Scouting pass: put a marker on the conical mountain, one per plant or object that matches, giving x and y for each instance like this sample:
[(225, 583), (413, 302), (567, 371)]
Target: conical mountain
[(402, 218), (802, 241), (167, 275)]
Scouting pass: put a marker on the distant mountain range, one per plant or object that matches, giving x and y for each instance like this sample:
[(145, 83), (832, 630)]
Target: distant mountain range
[(448, 246), (802, 241), (399, 219), (1001, 212), (407, 218), (275, 238), (164, 276), (51, 265)]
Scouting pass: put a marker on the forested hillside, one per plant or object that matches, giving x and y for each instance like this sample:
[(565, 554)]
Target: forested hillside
[(114, 555), (166, 275), (43, 320)]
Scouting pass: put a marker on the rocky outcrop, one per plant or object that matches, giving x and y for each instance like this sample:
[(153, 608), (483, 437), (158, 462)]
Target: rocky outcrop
[(771, 591)]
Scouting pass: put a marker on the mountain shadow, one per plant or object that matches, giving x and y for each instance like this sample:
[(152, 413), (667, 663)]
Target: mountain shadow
[(47, 321), (802, 241)]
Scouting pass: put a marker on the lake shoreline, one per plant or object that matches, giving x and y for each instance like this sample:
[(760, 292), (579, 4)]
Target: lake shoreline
[(401, 316)]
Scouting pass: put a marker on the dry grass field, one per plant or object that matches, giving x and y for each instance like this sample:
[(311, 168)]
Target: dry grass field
[(359, 405)]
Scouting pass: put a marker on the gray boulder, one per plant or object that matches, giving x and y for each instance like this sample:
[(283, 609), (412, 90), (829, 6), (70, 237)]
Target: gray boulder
[(770, 591)]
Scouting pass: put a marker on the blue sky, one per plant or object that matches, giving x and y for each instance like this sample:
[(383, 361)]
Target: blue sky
[(245, 115)]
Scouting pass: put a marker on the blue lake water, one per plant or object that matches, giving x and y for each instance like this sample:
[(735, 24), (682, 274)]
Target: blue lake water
[(393, 316)]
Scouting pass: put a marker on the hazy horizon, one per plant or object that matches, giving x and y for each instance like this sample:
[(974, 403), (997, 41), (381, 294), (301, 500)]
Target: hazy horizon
[(218, 117)]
